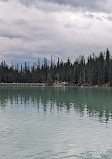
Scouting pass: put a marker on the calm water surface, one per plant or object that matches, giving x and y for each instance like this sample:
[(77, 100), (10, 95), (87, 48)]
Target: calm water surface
[(55, 123)]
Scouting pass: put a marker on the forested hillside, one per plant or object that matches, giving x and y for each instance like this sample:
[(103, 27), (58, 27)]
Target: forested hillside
[(95, 70)]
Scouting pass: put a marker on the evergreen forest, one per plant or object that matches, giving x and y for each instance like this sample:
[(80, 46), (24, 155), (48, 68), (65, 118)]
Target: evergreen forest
[(95, 70)]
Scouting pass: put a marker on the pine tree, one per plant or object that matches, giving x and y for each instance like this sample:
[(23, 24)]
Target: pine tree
[(49, 80)]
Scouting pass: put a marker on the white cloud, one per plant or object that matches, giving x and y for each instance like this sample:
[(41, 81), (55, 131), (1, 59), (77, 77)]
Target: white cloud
[(43, 28)]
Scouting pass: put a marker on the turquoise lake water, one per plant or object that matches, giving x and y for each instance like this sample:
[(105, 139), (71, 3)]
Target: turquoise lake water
[(55, 123)]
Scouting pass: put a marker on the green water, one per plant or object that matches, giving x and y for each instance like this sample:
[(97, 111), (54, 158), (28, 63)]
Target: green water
[(55, 123)]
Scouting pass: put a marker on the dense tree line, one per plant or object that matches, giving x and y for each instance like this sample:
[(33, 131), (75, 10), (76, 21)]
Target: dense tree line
[(95, 70)]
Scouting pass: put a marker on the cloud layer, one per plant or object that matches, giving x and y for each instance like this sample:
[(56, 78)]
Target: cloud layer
[(32, 28)]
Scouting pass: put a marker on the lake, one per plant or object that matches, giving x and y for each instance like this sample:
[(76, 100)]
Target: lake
[(55, 123)]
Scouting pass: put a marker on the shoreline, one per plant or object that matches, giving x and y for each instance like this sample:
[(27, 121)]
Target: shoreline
[(23, 84), (45, 85)]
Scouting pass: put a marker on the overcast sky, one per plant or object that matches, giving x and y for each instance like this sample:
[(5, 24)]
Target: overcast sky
[(61, 28)]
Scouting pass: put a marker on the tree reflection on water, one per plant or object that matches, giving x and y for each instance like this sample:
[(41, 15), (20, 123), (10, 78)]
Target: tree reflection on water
[(97, 102)]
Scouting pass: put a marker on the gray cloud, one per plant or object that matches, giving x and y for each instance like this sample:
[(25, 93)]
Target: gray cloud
[(84, 5), (87, 4), (68, 29), (12, 36), (20, 22), (109, 18)]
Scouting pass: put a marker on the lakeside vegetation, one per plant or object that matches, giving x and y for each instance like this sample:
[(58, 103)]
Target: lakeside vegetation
[(95, 70)]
